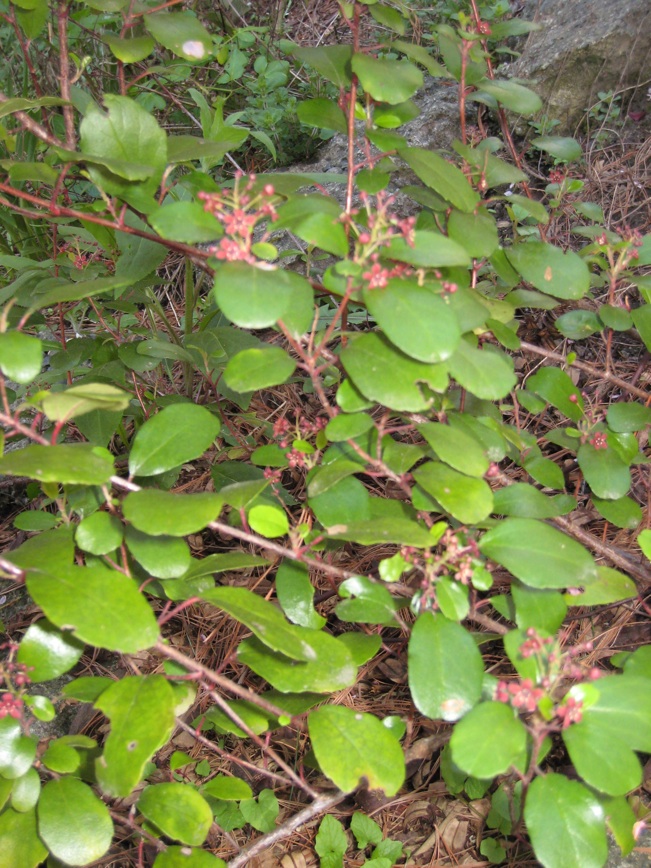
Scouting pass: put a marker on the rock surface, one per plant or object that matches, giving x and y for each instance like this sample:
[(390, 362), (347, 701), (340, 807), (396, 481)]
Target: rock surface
[(583, 47)]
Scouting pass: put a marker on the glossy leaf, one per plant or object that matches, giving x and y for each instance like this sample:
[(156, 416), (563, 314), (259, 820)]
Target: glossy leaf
[(315, 219), (624, 417), (187, 857), (445, 668), (330, 61), (452, 598), (322, 113), (178, 433), (131, 50), (330, 668), (622, 709), (74, 824), (161, 513), (348, 426), (258, 368), (560, 147), (578, 324), (538, 609), (269, 521), (375, 531), (622, 512), (604, 471), (365, 602), (21, 844), (524, 501), (486, 374), (295, 594), (26, 791), (351, 746), (475, 231), (164, 557), (510, 94), (604, 762), (17, 751), (47, 651), (182, 33), (466, 498), (538, 555), (99, 534), (256, 298), (21, 356), (566, 823), (556, 387), (489, 740), (178, 810), (79, 400), (443, 177), (100, 606), (390, 81), (610, 586), (456, 447), (384, 374), (428, 250), (227, 788), (187, 222), (77, 464), (416, 320), (141, 710), (264, 620), (549, 269)]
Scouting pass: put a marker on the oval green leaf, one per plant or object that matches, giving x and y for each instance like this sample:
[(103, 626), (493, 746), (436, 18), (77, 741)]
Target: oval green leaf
[(161, 513), (258, 368), (489, 740), (179, 433), (178, 810), (74, 824)]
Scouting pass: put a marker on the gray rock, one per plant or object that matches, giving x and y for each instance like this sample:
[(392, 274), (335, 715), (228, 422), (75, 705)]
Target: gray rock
[(583, 47)]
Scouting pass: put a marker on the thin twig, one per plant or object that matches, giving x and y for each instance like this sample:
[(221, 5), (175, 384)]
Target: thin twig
[(319, 806)]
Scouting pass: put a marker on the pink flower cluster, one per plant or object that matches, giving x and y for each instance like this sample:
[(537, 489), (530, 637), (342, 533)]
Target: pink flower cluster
[(239, 212), (521, 695)]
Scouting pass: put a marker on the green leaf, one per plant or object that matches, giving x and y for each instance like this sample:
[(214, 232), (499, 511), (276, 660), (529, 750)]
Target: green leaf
[(642, 321), (556, 387), (604, 762), (21, 356), (644, 542), (562, 148), (315, 219), (622, 709), (549, 269), (489, 740), (322, 113), (264, 620), (416, 320), (330, 61), (78, 400), (475, 231), (487, 374), (427, 250), (565, 823), (348, 427), (227, 789), (74, 824), (578, 324), (129, 50), (604, 471), (74, 463), (330, 668), (386, 375), (269, 521), (257, 298), (377, 531), (511, 95), (187, 857), (466, 498), (182, 33), (350, 746), (391, 18), (100, 606), (258, 368), (185, 149), (538, 555), (331, 843), (127, 130), (178, 810), (21, 844), (295, 594), (141, 710), (178, 433), (524, 501), (617, 318), (187, 222), (61, 758), (26, 791), (457, 448), (622, 512), (223, 563), (372, 603), (35, 520), (164, 557), (628, 417), (441, 176), (261, 813), (610, 586), (621, 822), (390, 81), (161, 513), (445, 668), (99, 534), (17, 751), (47, 651), (452, 598), (544, 610)]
